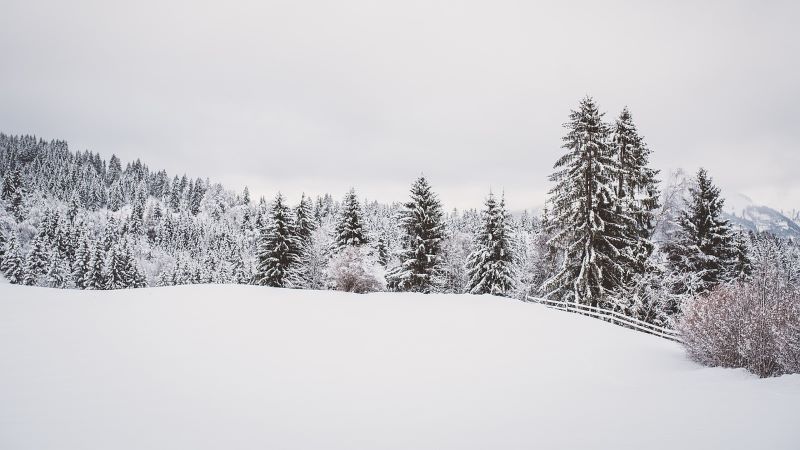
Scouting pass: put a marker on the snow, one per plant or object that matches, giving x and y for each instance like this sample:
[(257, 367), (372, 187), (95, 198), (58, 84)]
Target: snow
[(246, 367)]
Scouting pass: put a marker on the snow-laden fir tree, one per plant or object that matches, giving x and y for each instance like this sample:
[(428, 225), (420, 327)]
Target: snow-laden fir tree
[(12, 192), (704, 244), (12, 263), (117, 276), (420, 260), (350, 227), (36, 263), (491, 267), (637, 193), (83, 264), (96, 276), (304, 223), (277, 248), (58, 275), (586, 224)]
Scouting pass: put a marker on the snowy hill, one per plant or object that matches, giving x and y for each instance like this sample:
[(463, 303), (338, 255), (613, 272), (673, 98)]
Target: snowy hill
[(746, 214), (243, 367)]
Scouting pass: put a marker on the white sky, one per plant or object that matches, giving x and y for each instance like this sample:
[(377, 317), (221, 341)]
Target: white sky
[(318, 96)]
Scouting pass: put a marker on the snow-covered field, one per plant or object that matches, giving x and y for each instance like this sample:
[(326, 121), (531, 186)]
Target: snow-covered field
[(242, 367)]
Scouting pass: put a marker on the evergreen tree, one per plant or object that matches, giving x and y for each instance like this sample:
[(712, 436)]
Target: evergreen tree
[(82, 266), (96, 277), (421, 222), (36, 263), (741, 264), (58, 275), (490, 267), (382, 251), (122, 271), (636, 191), (304, 223), (277, 247), (12, 192), (705, 243), (246, 196), (586, 224), (350, 228), (11, 264)]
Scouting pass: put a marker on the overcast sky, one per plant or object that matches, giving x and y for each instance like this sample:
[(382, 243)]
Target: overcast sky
[(319, 96)]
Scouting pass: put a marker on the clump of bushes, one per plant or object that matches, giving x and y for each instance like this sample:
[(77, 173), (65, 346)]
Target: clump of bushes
[(753, 323)]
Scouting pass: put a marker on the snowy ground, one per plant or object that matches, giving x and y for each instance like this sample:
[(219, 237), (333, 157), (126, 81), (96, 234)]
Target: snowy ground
[(239, 367)]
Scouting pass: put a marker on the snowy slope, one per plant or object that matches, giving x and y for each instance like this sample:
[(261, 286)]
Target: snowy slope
[(242, 367)]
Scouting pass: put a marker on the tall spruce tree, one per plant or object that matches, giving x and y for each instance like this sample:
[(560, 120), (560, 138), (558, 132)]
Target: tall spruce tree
[(705, 243), (421, 222), (12, 192), (586, 224), (350, 228), (277, 247), (96, 276), (12, 265), (636, 189), (304, 223), (491, 265), (36, 263), (82, 265)]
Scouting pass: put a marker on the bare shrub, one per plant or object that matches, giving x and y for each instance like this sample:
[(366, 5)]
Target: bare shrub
[(355, 270), (753, 324)]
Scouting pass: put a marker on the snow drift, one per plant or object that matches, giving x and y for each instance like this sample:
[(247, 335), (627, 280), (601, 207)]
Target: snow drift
[(243, 367)]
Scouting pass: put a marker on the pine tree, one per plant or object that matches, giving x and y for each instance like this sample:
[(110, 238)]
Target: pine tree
[(277, 247), (704, 244), (246, 196), (82, 266), (421, 222), (304, 223), (349, 228), (741, 265), (490, 267), (96, 277), (12, 192), (586, 224), (12, 264), (58, 275), (116, 270), (636, 190), (36, 263)]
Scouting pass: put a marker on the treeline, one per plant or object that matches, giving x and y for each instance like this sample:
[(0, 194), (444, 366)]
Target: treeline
[(611, 235)]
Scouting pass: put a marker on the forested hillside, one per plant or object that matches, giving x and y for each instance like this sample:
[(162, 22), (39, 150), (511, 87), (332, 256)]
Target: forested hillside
[(612, 235)]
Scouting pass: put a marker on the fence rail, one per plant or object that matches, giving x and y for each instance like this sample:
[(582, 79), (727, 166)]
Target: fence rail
[(610, 316)]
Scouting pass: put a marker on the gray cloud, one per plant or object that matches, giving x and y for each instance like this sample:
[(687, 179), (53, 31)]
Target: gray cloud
[(319, 96)]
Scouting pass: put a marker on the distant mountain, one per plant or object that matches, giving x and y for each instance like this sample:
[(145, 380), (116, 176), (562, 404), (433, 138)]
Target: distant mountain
[(744, 213)]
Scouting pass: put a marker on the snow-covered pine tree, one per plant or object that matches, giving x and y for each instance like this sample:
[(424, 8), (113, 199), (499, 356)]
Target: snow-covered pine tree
[(58, 275), (12, 192), (83, 264), (96, 277), (704, 244), (741, 265), (117, 276), (637, 193), (246, 196), (490, 267), (304, 223), (36, 263), (350, 228), (423, 231), (586, 225), (277, 247), (12, 264)]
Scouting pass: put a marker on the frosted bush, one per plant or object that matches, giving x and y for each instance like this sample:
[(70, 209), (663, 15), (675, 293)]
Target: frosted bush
[(354, 269), (751, 325)]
